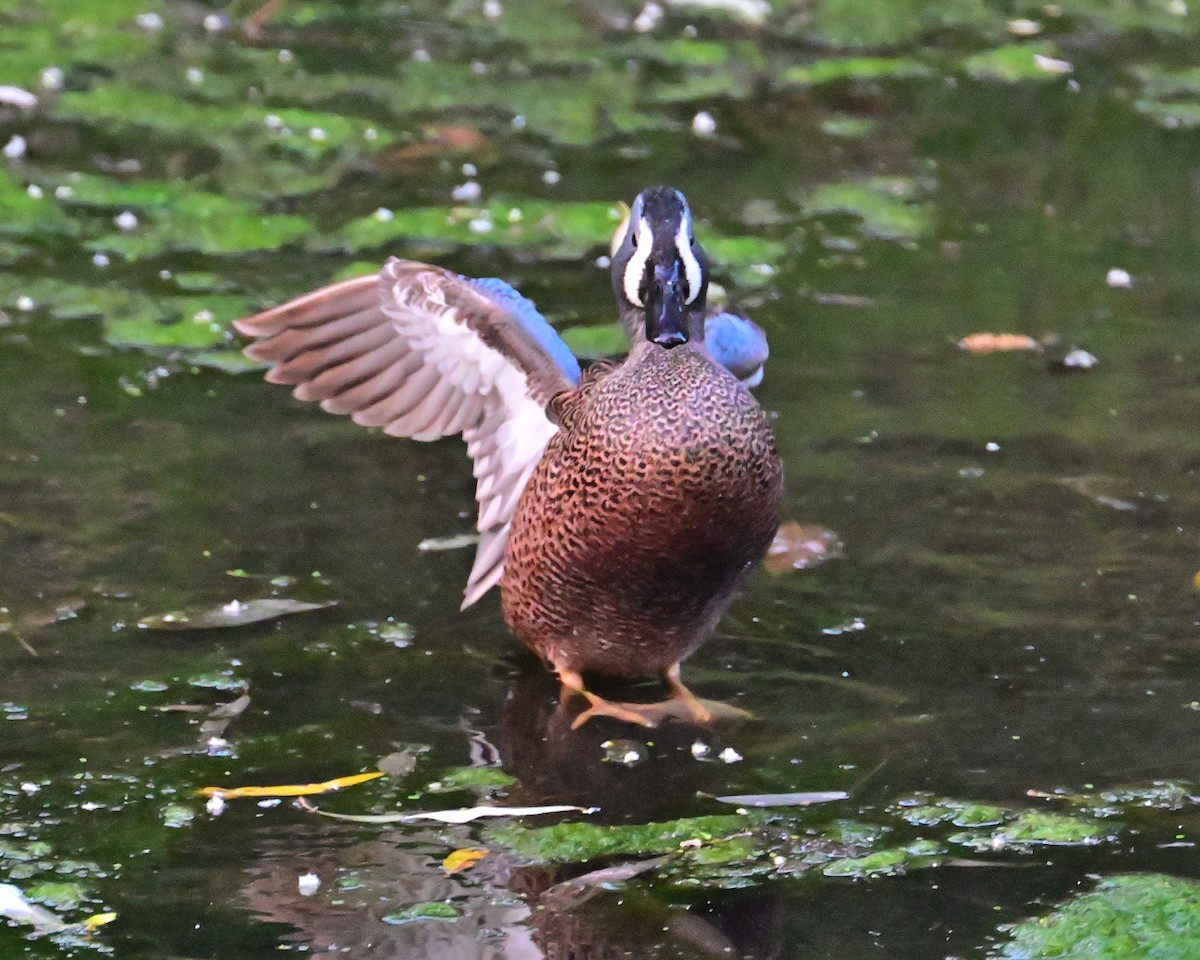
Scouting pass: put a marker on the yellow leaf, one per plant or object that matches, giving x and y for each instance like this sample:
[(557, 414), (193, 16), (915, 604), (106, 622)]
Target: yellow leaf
[(289, 790), (992, 342), (98, 920), (1196, 580), (463, 859)]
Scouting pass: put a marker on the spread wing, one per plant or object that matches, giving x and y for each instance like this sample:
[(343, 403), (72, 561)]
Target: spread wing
[(424, 353)]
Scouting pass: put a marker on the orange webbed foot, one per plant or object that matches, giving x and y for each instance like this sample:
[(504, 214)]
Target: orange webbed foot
[(681, 705)]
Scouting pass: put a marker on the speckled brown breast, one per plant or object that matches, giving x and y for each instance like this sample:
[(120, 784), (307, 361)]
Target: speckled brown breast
[(648, 506)]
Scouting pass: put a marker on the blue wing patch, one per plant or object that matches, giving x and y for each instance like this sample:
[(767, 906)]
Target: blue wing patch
[(738, 344), (534, 323)]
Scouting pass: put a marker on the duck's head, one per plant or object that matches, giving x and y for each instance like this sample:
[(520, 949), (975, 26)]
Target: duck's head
[(660, 273)]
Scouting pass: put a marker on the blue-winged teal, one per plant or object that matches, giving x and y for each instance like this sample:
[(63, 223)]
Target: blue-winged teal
[(618, 508)]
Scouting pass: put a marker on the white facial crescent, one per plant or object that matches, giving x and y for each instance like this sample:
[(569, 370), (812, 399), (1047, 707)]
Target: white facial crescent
[(635, 269), (691, 266)]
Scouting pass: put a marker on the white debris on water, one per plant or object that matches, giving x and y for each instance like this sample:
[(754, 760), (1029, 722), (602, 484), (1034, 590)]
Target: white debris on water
[(1052, 64), (754, 12), (647, 19), (468, 192), (308, 884), (1118, 278), (52, 78), (16, 97), (16, 147), (704, 124), (1023, 27)]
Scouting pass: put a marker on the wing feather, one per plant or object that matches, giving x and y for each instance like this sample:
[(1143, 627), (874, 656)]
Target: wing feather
[(424, 353)]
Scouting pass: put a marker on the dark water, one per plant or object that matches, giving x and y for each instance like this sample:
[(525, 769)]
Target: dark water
[(1015, 608)]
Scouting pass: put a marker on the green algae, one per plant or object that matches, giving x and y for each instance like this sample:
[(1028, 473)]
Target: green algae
[(1012, 63), (1036, 828), (1134, 915), (422, 912), (855, 69), (582, 842), (476, 779), (884, 206), (555, 229)]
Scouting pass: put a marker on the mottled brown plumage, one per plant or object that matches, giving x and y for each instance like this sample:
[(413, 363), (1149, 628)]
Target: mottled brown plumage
[(618, 535), (660, 489)]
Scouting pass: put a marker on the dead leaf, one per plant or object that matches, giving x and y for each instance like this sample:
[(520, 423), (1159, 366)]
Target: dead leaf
[(16, 908), (578, 890), (454, 816), (232, 614), (454, 542), (463, 859), (289, 790), (980, 343), (437, 142), (798, 546)]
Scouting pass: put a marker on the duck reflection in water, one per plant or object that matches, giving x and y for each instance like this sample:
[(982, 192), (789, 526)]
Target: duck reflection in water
[(549, 911), (619, 507)]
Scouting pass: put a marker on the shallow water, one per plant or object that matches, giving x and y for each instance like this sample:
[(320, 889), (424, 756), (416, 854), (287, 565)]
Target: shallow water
[(1015, 609)]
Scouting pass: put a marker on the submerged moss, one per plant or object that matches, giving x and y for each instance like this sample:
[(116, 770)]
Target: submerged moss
[(1032, 828), (1138, 915), (581, 842), (884, 205), (841, 69), (479, 779), (1011, 63), (419, 912)]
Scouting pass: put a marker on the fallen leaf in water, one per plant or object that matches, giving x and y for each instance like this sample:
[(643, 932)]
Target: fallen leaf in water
[(16, 908), (979, 343), (98, 920), (463, 859), (454, 816), (1090, 487), (232, 614), (455, 542), (289, 790), (798, 546), (784, 799), (578, 890), (437, 142), (1078, 359)]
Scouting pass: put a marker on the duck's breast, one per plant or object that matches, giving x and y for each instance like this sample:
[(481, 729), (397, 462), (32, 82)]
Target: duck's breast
[(661, 487)]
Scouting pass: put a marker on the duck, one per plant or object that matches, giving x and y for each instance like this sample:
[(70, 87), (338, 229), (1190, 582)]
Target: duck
[(619, 507)]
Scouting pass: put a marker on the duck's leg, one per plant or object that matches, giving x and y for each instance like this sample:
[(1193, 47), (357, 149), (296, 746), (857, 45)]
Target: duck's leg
[(682, 704), (572, 685)]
